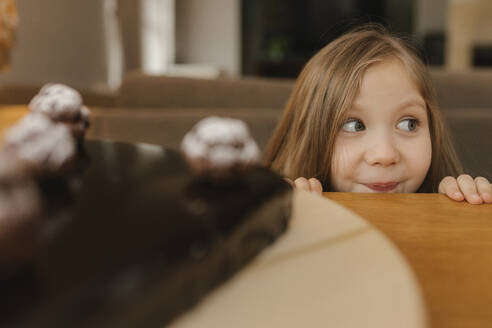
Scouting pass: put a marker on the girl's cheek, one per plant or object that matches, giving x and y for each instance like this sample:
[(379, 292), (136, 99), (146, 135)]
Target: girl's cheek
[(423, 151), (343, 157), (418, 156)]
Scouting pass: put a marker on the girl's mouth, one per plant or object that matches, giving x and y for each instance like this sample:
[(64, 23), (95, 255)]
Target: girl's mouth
[(382, 187)]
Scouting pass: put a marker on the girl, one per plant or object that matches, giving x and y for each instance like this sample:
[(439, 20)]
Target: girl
[(363, 117)]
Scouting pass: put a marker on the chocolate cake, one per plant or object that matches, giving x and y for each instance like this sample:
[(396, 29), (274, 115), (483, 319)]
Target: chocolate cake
[(140, 240), (20, 206)]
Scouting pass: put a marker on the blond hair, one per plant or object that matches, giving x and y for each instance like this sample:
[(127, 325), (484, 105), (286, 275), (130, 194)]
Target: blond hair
[(302, 143)]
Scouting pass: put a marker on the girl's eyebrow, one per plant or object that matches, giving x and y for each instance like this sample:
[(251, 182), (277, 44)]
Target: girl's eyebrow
[(412, 103)]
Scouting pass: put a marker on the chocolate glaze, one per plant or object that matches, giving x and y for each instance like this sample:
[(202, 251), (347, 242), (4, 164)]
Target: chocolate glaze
[(133, 239)]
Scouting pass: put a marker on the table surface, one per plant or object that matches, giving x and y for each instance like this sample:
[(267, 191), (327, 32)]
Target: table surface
[(448, 244)]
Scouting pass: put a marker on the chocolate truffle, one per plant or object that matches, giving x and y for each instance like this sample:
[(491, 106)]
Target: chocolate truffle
[(47, 147), (62, 104), (219, 147)]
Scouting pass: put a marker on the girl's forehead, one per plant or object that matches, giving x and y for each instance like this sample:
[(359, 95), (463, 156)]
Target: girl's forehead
[(387, 72), (413, 105), (388, 82)]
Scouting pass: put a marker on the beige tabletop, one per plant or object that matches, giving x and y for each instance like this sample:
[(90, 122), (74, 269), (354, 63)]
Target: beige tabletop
[(330, 269)]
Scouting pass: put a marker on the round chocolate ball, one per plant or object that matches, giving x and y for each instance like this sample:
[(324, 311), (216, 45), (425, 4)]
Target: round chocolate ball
[(219, 147)]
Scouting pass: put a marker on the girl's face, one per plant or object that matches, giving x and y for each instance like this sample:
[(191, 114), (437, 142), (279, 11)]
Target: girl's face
[(385, 144)]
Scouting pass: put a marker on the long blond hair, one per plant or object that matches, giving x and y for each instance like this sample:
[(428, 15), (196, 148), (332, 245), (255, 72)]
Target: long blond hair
[(302, 143)]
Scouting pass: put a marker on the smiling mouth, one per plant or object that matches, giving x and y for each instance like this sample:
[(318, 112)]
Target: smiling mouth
[(382, 187)]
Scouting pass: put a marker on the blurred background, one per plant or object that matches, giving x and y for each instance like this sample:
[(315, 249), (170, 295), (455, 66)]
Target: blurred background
[(92, 44)]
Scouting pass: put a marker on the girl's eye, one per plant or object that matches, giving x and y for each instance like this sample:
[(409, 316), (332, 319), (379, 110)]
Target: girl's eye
[(354, 125), (408, 124)]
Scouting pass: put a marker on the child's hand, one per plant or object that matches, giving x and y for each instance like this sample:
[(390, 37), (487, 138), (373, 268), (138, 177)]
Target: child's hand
[(476, 191), (313, 185)]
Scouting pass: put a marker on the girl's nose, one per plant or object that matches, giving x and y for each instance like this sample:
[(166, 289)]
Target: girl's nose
[(382, 151)]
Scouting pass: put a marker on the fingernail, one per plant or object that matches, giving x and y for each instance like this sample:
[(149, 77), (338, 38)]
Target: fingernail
[(458, 195), (487, 195), (476, 198)]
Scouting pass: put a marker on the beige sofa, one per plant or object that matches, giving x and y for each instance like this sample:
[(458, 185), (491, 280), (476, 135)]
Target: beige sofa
[(160, 109)]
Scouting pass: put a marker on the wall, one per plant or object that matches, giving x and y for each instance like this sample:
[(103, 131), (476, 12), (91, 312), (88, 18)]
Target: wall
[(62, 41), (208, 32), (469, 24), (430, 16)]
